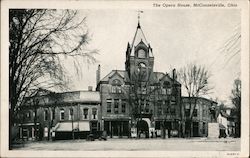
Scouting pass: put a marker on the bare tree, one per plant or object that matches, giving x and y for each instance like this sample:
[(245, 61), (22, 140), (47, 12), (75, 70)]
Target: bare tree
[(194, 78), (236, 100), (38, 41)]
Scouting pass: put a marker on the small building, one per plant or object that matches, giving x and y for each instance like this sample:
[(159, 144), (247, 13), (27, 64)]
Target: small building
[(222, 119), (60, 115), (200, 110), (228, 119)]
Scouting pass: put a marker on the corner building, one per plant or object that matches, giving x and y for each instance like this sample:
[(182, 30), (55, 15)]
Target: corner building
[(138, 101)]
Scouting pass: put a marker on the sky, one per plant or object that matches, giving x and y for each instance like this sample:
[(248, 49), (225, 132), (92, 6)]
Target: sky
[(177, 36)]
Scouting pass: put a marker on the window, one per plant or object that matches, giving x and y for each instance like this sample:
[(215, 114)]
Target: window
[(116, 89), (195, 113), (187, 112), (147, 106), (169, 91), (203, 127), (172, 111), (116, 86), (113, 89), (116, 102), (203, 112), (144, 90), (85, 113), (123, 106), (46, 115), (62, 114), (94, 113), (53, 114), (164, 91), (28, 114), (108, 105), (159, 107), (141, 53), (71, 113)]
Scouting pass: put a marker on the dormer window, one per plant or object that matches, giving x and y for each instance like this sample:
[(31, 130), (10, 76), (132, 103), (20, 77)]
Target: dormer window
[(141, 53)]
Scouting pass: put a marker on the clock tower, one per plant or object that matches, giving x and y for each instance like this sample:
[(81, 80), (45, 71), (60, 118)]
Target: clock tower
[(139, 57)]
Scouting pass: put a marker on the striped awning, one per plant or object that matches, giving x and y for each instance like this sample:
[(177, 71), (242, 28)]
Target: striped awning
[(67, 126)]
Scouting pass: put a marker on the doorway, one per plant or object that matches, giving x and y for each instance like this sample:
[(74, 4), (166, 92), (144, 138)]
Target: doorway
[(143, 129), (196, 129)]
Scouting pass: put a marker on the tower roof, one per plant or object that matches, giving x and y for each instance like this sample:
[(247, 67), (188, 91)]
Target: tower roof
[(139, 37)]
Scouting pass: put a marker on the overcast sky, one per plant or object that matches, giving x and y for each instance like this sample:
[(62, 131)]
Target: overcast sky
[(177, 37)]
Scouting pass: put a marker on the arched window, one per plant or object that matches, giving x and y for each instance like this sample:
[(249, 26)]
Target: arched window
[(116, 82), (61, 114), (142, 69), (46, 115), (141, 53), (71, 113), (94, 113), (85, 113)]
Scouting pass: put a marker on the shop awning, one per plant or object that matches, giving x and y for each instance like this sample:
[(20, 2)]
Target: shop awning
[(67, 126), (29, 124)]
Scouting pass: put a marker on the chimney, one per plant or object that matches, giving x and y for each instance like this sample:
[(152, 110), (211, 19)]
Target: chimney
[(174, 74), (98, 74), (90, 88)]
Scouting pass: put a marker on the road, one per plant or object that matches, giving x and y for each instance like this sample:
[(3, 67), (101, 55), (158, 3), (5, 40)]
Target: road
[(173, 144)]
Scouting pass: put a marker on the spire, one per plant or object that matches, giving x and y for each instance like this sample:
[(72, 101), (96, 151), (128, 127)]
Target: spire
[(139, 37), (139, 26)]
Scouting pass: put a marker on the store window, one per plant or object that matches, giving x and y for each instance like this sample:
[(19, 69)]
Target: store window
[(62, 114)]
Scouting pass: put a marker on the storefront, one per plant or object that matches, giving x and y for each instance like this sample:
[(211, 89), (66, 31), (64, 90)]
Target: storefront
[(70, 130), (117, 128)]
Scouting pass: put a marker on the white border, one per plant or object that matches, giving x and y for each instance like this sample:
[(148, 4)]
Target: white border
[(5, 5)]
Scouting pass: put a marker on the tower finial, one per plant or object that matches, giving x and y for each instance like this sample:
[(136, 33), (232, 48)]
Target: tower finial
[(139, 11)]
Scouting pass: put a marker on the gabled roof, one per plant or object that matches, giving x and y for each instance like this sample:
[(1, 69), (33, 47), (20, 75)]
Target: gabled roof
[(140, 38), (121, 73), (159, 75)]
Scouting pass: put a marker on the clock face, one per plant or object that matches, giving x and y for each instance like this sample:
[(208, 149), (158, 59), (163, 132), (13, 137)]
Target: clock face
[(141, 53)]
